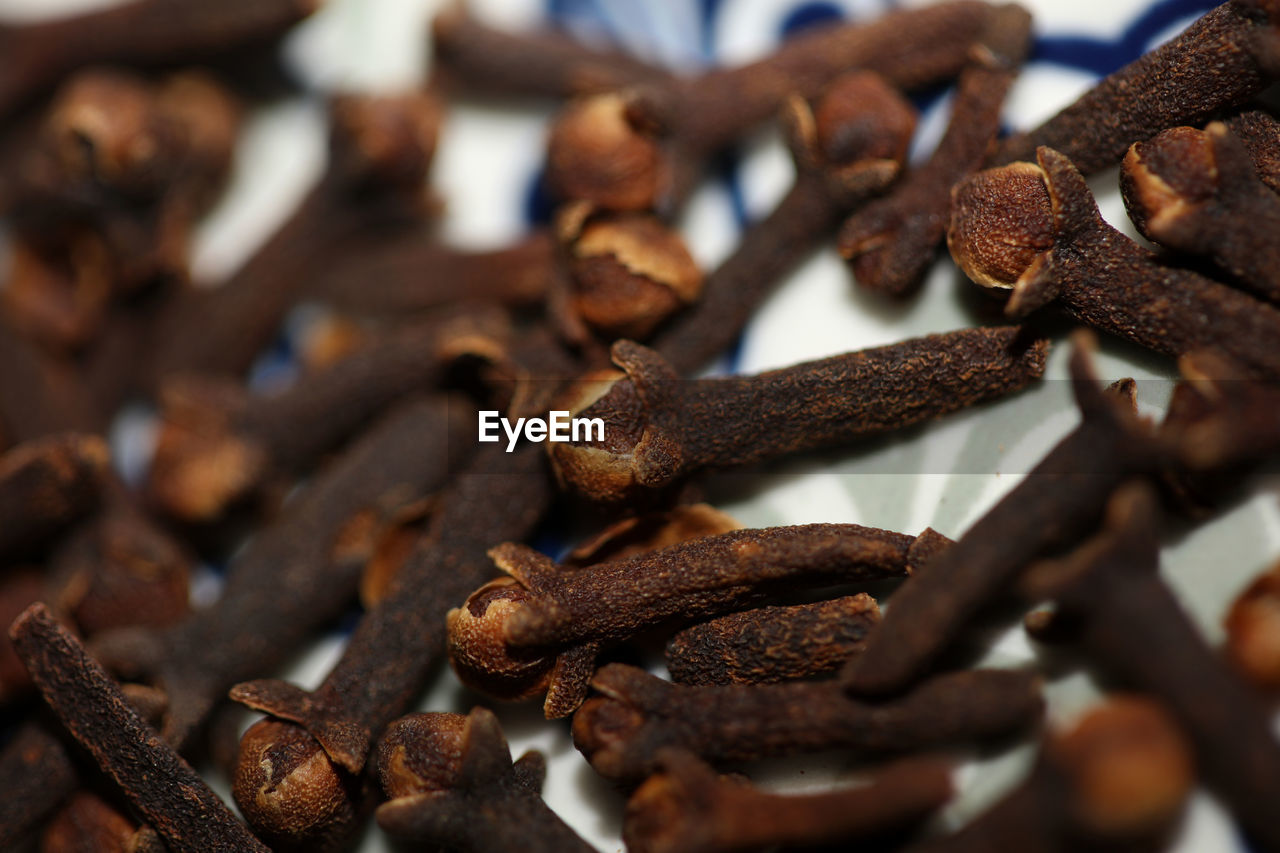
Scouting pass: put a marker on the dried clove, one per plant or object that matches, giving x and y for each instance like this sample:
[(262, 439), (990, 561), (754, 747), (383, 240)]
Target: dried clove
[(470, 55), (295, 781), (772, 644), (1059, 500), (217, 444), (541, 628), (87, 823), (406, 274), (38, 773), (170, 795), (1220, 61), (622, 732), (300, 571), (1037, 230), (47, 484), (380, 150), (1131, 623), (643, 148), (625, 273), (451, 783), (141, 32), (892, 242), (686, 808), (659, 429), (1253, 631), (1118, 778), (1197, 192)]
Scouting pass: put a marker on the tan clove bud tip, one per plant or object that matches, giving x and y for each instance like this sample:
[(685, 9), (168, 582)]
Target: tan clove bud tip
[(478, 649), (1001, 220), (597, 154)]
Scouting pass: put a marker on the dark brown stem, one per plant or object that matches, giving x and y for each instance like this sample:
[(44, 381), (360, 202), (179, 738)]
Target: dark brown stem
[(622, 732), (686, 808), (1113, 583), (380, 149), (1059, 500), (1198, 192), (38, 773), (1220, 61), (1117, 779), (218, 445), (892, 242), (41, 394), (142, 32), (472, 56), (301, 571), (45, 486), (772, 644), (470, 798), (170, 794), (394, 648), (1259, 132), (659, 429), (1038, 231), (409, 274)]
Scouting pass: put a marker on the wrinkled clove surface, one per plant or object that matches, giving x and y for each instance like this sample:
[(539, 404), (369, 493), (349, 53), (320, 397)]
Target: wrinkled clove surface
[(1259, 132), (47, 484), (169, 794), (1220, 61), (542, 627), (1060, 499), (318, 740), (1197, 191), (622, 732), (1037, 230), (1118, 778), (1131, 624), (892, 242), (771, 644), (451, 783), (685, 808), (659, 429), (303, 569)]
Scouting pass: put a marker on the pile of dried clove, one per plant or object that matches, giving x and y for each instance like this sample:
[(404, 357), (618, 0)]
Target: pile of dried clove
[(363, 486)]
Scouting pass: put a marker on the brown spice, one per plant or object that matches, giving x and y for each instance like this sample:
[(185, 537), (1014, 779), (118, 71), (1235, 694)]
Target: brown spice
[(771, 644), (408, 274), (1220, 61), (380, 150), (451, 783), (659, 429), (1197, 192), (686, 808), (1253, 631), (142, 32), (542, 628), (302, 570), (217, 444), (622, 732), (1118, 778), (309, 795), (171, 795), (1059, 500), (1259, 132), (892, 242), (89, 824), (1111, 583), (41, 394), (1038, 231), (47, 484), (469, 55)]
